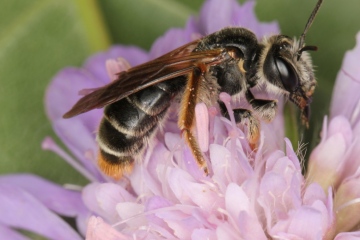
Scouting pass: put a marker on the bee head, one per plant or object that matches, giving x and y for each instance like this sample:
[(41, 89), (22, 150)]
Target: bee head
[(287, 65), (291, 74)]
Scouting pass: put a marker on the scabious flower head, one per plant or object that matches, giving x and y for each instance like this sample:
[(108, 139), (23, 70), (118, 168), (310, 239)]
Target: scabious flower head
[(335, 161), (248, 195)]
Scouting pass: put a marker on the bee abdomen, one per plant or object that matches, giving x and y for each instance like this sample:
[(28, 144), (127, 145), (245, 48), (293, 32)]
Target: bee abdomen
[(139, 112), (128, 124)]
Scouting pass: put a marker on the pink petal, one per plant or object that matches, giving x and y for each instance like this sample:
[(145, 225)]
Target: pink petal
[(21, 210), (79, 140), (341, 125), (202, 233), (274, 140), (280, 190), (188, 191), (219, 131), (346, 205), (208, 22), (326, 218), (88, 169), (250, 227), (239, 207), (273, 158), (222, 164), (244, 17), (351, 163), (292, 155), (346, 90), (147, 169), (157, 203), (348, 236), (172, 39), (312, 193), (182, 224), (115, 66), (236, 200), (284, 168), (307, 223), (103, 198), (202, 126), (173, 141), (96, 63), (99, 230), (77, 133), (326, 159), (216, 15), (182, 155), (226, 231), (63, 201), (272, 189), (63, 91), (303, 223), (9, 233), (132, 214)]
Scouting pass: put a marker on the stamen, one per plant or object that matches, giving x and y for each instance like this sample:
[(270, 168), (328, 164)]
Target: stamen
[(49, 144), (226, 99), (212, 113), (234, 134)]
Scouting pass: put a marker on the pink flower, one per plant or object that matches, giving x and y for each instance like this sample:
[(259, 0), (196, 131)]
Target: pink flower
[(248, 195), (335, 161)]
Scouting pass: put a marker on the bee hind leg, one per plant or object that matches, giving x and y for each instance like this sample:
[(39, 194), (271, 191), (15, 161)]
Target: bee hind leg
[(187, 114)]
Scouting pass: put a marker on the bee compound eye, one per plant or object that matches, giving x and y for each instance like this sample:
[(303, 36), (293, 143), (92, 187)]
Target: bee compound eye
[(287, 74)]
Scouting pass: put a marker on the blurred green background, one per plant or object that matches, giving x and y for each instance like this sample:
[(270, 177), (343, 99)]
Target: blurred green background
[(40, 37)]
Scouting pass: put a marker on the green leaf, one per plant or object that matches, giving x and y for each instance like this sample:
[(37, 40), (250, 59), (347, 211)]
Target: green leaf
[(38, 38), (140, 22)]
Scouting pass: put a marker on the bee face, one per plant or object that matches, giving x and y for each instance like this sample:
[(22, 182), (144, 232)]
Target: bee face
[(288, 72)]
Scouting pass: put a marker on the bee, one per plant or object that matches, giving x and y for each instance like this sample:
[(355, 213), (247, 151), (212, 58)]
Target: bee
[(231, 60)]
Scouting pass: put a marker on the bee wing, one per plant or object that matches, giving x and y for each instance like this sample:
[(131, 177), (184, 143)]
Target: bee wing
[(176, 63)]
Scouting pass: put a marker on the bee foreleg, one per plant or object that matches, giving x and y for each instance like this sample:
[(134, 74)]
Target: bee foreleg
[(266, 109), (244, 117), (187, 113)]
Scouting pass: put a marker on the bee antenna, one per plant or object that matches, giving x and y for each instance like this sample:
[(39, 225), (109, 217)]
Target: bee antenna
[(306, 48), (307, 26)]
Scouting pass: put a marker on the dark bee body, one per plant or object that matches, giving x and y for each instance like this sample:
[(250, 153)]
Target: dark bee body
[(231, 60), (244, 45), (130, 122)]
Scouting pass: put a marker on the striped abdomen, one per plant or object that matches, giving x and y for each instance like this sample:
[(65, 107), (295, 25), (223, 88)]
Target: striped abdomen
[(130, 122)]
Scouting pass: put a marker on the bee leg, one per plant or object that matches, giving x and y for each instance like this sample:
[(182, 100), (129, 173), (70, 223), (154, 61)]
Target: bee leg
[(187, 114), (244, 117), (266, 109)]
